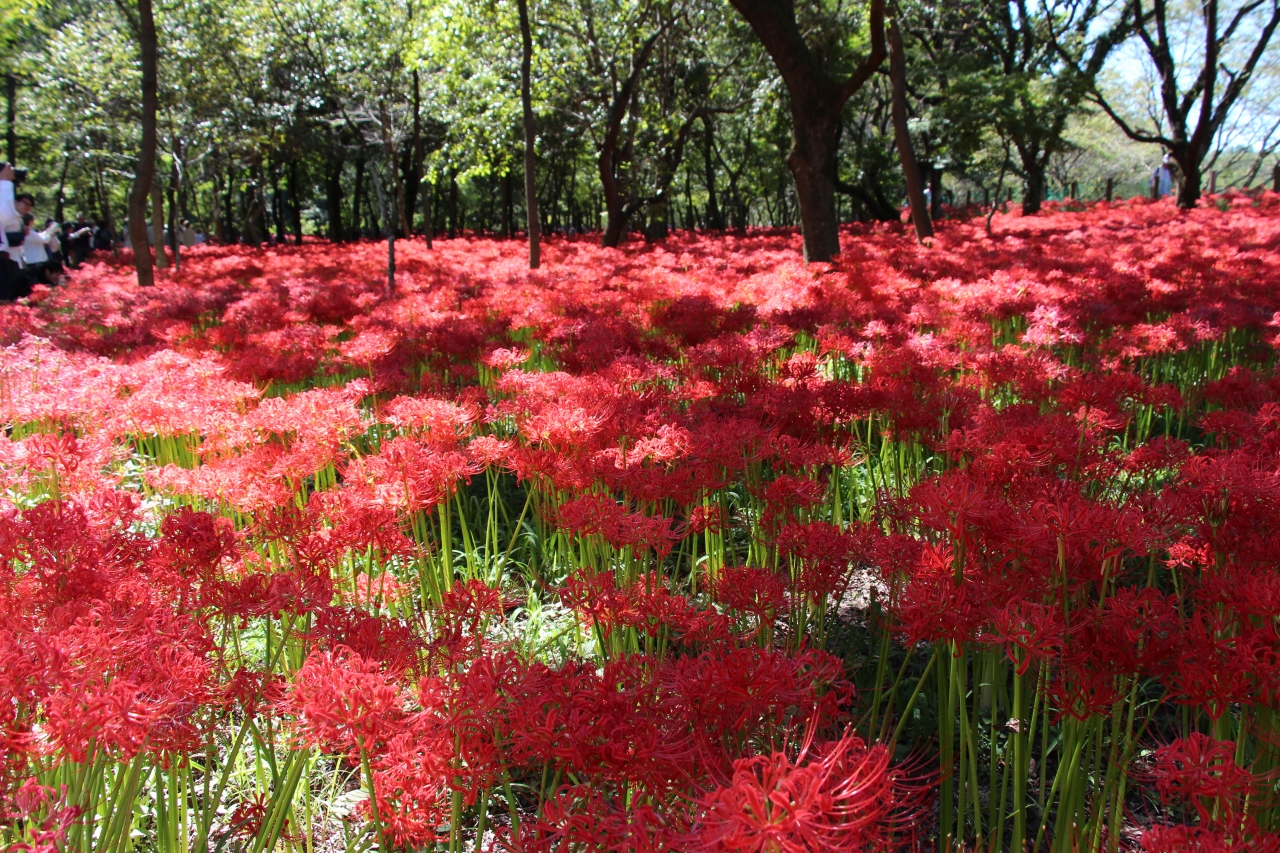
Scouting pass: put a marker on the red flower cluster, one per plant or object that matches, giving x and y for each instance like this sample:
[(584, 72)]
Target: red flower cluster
[(682, 546)]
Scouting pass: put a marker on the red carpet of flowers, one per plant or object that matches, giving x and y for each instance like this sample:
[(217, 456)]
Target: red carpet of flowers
[(675, 547)]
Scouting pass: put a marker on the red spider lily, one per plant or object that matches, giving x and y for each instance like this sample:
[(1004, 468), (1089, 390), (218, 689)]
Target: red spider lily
[(597, 515), (1200, 769), (48, 830), (843, 797), (1204, 839), (344, 702), (761, 593)]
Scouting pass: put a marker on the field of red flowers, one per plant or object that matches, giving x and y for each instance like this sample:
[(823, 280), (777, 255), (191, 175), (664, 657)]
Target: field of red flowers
[(679, 547)]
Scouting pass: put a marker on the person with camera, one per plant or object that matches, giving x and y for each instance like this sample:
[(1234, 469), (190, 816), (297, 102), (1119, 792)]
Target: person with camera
[(35, 250), (13, 283), (81, 239)]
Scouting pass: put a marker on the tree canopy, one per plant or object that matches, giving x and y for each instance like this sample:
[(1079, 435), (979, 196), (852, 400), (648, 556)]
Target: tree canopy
[(388, 118)]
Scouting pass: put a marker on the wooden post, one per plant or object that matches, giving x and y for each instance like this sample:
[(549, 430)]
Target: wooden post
[(1075, 190), (986, 197), (1155, 184), (1111, 185), (1213, 182), (1275, 178)]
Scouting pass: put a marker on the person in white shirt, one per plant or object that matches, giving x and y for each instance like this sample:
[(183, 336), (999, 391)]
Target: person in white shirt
[(35, 249), (12, 282)]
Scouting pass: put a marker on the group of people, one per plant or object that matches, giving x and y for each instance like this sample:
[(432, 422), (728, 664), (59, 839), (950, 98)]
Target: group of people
[(37, 256)]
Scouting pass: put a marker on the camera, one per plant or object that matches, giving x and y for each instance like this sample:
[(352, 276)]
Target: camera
[(19, 175)]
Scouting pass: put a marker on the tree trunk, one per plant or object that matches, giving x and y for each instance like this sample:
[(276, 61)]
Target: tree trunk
[(157, 223), (453, 204), (419, 152), (145, 177), (295, 201), (657, 227), (357, 195), (817, 100), (715, 219), (1189, 189), (507, 205), (902, 138), (935, 192), (530, 139), (1032, 188), (218, 233), (173, 209), (424, 188), (384, 206), (230, 234), (813, 166), (333, 198), (277, 207)]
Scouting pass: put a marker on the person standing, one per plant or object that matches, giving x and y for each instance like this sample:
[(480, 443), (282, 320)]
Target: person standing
[(103, 241), (81, 240), (55, 251), (1167, 176), (35, 250), (12, 283)]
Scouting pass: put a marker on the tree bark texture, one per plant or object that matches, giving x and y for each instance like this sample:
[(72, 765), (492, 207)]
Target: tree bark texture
[(816, 101), (530, 138), (333, 201), (902, 138), (145, 177), (157, 223)]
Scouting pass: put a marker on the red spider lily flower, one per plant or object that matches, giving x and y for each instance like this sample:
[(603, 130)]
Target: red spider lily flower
[(758, 592), (344, 702), (597, 515), (410, 780), (52, 819), (840, 798), (1202, 771), (1035, 630)]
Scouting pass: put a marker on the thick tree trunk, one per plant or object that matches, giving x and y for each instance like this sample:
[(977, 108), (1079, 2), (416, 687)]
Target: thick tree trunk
[(1033, 187), (1189, 189), (615, 221), (1189, 161), (145, 177), (530, 139), (902, 137), (817, 100), (813, 166), (657, 227)]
